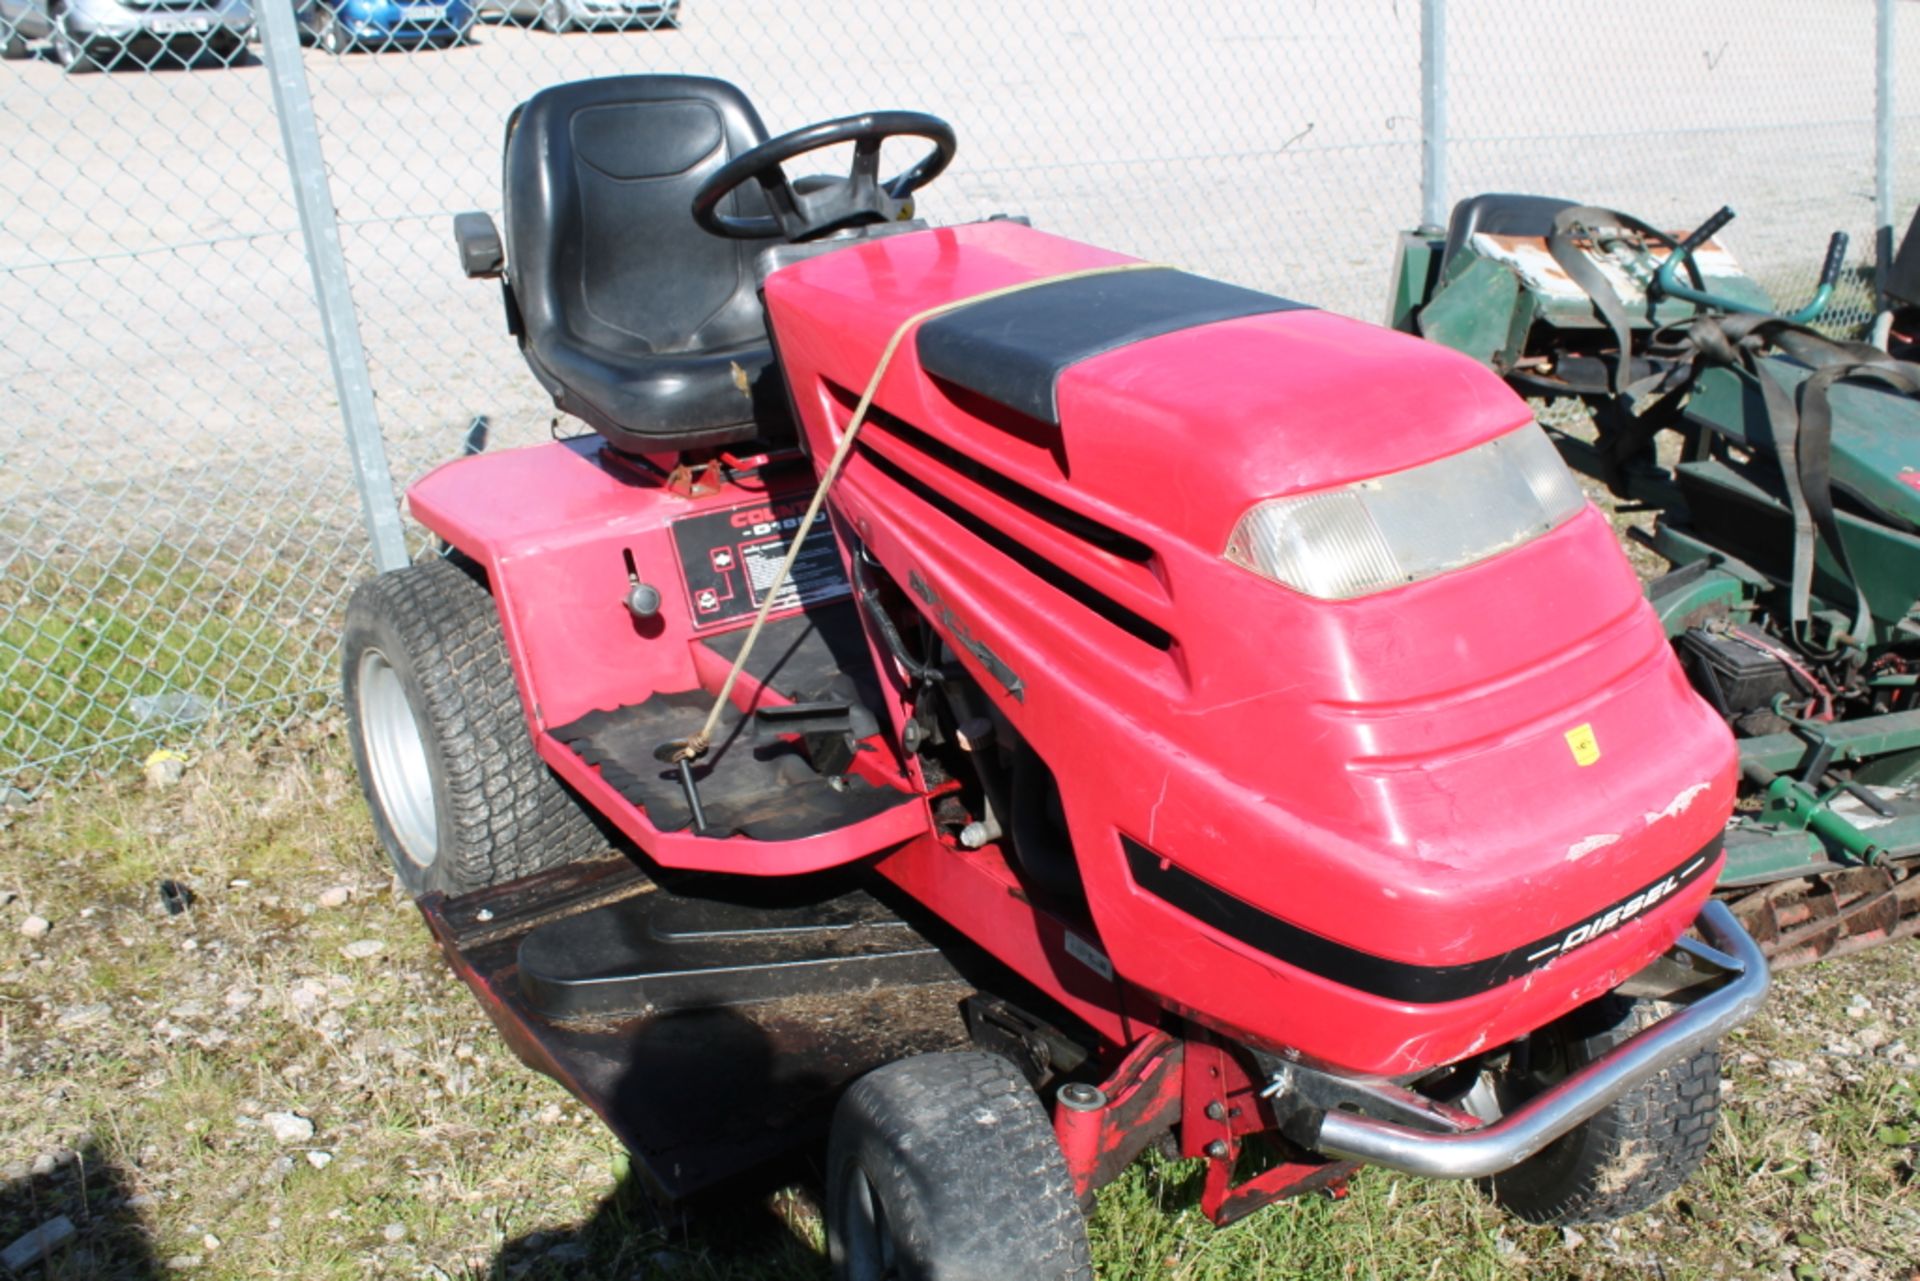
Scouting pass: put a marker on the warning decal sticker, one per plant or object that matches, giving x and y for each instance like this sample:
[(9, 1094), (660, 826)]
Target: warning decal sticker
[(728, 559)]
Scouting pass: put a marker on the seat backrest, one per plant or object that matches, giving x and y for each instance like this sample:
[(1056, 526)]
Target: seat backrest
[(1499, 214), (601, 244)]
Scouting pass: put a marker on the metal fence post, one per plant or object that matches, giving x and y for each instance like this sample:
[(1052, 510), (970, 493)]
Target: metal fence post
[(1883, 144), (300, 137), (1433, 114)]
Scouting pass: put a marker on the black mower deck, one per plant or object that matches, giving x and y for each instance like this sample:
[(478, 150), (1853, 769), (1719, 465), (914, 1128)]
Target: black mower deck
[(711, 1034), (768, 791)]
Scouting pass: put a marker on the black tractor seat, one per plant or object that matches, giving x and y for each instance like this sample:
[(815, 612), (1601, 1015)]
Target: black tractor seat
[(1500, 214), (635, 319)]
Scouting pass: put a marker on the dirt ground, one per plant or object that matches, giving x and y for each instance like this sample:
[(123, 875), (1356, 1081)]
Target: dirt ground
[(284, 1079)]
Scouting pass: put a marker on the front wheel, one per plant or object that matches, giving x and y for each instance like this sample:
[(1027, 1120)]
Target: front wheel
[(1624, 1159), (460, 798), (943, 1167)]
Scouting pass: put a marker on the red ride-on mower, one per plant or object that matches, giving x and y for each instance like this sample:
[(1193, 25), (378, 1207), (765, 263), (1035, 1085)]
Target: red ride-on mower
[(1050, 703)]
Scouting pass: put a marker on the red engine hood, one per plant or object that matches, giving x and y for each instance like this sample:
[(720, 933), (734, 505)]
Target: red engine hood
[(1403, 774)]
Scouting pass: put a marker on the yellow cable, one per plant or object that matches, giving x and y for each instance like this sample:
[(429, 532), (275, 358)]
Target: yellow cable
[(697, 746)]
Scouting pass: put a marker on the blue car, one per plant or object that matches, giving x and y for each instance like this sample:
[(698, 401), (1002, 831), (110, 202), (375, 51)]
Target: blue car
[(340, 25)]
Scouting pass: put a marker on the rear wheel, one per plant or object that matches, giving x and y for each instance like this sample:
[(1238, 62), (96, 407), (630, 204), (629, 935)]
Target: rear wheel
[(12, 47), (943, 1167), (460, 798), (553, 16), (1626, 1158)]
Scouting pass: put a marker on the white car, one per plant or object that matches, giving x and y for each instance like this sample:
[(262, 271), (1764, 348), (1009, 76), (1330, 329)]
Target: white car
[(87, 34), (567, 15)]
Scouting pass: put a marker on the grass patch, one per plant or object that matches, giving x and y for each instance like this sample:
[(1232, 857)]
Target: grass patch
[(140, 1054), (149, 647)]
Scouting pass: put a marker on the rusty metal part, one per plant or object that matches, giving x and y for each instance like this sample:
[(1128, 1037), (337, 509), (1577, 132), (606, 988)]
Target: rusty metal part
[(1813, 918), (697, 479), (1206, 1091), (1140, 1102)]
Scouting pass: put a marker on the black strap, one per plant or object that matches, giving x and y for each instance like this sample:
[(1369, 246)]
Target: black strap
[(1800, 425), (1590, 222), (1815, 453)]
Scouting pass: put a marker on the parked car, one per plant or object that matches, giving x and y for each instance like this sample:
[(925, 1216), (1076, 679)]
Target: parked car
[(87, 34), (21, 21), (567, 15), (340, 25)]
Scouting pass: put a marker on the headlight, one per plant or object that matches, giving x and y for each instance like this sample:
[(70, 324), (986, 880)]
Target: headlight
[(1365, 537)]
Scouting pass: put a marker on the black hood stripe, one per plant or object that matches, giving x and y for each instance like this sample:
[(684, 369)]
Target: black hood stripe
[(1379, 975), (1012, 350)]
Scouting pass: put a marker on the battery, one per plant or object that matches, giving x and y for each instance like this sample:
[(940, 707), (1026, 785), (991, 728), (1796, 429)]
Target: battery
[(1732, 673)]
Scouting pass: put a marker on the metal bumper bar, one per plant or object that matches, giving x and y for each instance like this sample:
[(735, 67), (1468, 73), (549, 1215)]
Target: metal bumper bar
[(1516, 1136)]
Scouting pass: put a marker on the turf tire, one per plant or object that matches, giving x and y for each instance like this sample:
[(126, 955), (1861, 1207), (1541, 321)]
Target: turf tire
[(944, 1167), (1626, 1158), (499, 813)]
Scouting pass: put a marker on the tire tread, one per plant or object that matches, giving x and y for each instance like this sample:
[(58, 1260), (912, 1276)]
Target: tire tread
[(968, 1125), (1629, 1156), (511, 815)]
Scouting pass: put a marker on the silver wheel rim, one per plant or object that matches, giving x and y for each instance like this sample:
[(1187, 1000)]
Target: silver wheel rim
[(397, 759), (869, 1241)]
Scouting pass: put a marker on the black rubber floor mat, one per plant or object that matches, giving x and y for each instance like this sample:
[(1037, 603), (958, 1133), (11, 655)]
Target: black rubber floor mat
[(769, 792)]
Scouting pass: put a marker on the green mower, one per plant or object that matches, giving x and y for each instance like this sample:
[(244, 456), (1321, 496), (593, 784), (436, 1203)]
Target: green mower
[(1789, 513)]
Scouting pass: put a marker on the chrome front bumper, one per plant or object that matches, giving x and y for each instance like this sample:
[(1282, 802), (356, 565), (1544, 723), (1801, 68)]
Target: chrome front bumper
[(1505, 1143)]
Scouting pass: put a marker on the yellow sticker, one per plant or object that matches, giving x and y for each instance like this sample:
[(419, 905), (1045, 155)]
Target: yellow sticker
[(1585, 747)]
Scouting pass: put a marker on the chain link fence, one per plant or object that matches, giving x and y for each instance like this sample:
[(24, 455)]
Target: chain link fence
[(177, 517), (180, 520)]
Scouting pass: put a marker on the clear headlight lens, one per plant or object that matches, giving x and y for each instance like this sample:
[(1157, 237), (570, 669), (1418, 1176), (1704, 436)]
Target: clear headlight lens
[(1374, 534)]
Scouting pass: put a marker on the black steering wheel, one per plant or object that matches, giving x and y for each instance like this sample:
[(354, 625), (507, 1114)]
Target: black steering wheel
[(857, 200)]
